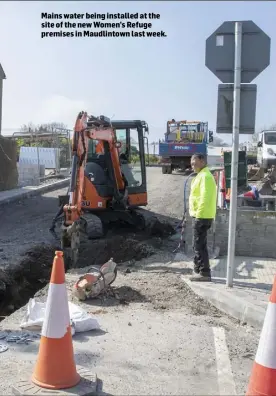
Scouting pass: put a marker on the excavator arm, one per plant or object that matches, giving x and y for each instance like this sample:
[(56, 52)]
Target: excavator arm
[(99, 129), (100, 132)]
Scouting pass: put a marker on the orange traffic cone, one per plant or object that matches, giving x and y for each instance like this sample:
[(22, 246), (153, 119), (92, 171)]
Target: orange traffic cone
[(55, 367), (263, 377)]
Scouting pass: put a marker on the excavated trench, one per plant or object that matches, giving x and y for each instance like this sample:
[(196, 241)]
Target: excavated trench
[(20, 283)]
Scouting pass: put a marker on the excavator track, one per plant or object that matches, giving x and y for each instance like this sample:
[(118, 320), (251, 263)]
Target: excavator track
[(140, 218), (93, 226), (143, 219)]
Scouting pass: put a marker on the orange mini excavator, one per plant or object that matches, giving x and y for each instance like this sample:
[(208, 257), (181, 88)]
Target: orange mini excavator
[(108, 181)]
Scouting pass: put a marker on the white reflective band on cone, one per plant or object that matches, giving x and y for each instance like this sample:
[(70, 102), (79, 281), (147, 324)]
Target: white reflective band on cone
[(57, 318), (266, 353)]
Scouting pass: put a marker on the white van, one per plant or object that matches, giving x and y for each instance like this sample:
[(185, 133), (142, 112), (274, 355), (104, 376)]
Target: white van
[(266, 149)]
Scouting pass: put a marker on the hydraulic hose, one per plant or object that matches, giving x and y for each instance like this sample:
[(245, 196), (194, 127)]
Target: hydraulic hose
[(57, 216), (182, 223), (185, 199)]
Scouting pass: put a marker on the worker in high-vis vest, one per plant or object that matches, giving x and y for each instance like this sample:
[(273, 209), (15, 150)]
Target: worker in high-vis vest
[(202, 208)]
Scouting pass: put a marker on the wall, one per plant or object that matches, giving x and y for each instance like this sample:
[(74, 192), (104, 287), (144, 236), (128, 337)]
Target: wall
[(29, 175), (8, 168), (49, 157), (255, 233)]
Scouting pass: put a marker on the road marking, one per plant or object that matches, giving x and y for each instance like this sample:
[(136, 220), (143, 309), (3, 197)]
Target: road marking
[(225, 376)]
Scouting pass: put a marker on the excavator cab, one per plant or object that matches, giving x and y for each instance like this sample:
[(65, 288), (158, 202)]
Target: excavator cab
[(100, 171)]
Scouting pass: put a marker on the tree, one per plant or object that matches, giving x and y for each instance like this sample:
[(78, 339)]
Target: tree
[(134, 150), (217, 142), (53, 127)]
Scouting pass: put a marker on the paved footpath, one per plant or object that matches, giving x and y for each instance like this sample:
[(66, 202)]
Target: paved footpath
[(252, 284), (18, 194)]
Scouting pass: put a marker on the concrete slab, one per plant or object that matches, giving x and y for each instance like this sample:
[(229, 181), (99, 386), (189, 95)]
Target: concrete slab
[(248, 306), (247, 300), (18, 194), (250, 272), (86, 387), (139, 351)]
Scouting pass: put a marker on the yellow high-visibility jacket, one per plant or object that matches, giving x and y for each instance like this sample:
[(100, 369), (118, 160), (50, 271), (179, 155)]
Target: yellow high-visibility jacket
[(203, 196)]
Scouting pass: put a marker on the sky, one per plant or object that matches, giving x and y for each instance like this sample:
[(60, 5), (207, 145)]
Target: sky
[(154, 79)]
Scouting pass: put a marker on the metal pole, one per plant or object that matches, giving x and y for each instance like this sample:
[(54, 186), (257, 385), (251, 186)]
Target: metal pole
[(69, 147), (1, 99), (235, 156), (38, 163)]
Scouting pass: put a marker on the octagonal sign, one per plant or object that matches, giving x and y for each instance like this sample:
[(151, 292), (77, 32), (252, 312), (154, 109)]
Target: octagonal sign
[(220, 52)]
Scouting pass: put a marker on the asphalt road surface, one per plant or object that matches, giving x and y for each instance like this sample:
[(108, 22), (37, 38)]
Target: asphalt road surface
[(167, 343)]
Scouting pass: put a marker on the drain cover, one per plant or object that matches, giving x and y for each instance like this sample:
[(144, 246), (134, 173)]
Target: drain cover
[(3, 348)]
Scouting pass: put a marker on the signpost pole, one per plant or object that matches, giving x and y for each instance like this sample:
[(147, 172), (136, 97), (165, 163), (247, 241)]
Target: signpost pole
[(235, 156), (1, 99)]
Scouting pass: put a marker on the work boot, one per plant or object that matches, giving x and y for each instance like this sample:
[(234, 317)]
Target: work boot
[(200, 278)]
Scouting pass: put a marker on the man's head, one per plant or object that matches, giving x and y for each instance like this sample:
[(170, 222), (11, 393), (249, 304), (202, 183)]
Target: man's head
[(198, 162)]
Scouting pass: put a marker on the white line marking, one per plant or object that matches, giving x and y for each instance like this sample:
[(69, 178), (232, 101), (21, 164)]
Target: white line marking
[(225, 376)]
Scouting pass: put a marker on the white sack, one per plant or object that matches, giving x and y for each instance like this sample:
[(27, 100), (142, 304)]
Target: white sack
[(80, 320)]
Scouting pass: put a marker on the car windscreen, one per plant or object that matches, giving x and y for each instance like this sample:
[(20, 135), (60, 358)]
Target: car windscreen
[(270, 138)]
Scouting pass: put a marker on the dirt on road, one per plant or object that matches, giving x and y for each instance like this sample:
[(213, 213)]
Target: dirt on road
[(155, 331)]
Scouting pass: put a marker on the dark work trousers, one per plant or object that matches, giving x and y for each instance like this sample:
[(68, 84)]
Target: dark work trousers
[(201, 257)]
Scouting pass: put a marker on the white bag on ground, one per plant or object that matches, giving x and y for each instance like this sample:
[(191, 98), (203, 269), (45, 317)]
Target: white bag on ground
[(80, 320)]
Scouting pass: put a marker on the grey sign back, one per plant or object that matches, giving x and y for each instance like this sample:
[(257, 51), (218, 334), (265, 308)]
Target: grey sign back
[(247, 108), (220, 52)]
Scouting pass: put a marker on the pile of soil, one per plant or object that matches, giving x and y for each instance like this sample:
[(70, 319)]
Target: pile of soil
[(120, 248)]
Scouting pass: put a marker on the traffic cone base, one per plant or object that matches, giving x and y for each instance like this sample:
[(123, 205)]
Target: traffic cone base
[(262, 381), (263, 377)]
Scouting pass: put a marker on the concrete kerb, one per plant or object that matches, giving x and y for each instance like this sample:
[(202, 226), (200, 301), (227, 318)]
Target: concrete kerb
[(234, 302), (28, 193)]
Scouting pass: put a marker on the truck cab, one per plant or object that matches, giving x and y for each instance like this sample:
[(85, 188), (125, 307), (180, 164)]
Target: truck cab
[(266, 149)]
